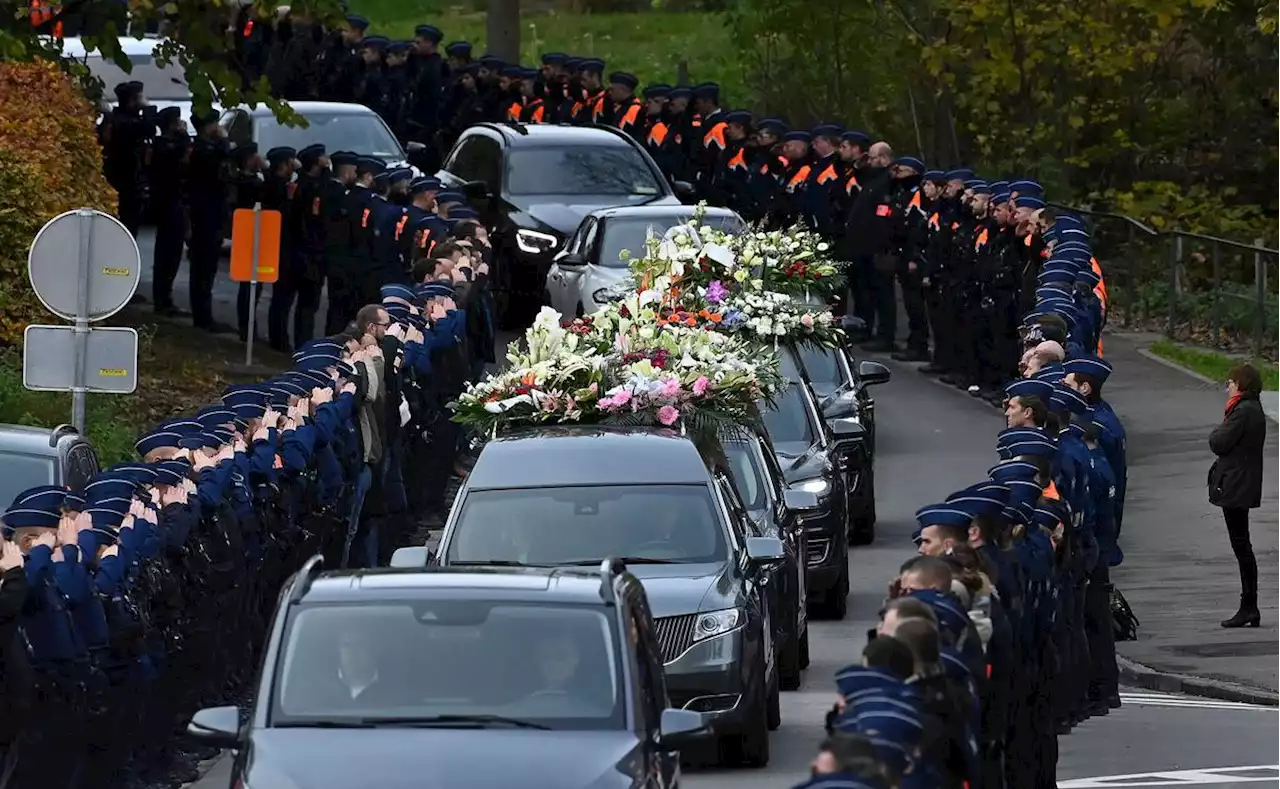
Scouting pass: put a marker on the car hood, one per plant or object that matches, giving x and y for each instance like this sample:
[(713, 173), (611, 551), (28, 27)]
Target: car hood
[(440, 759), (675, 589), (800, 461), (563, 213)]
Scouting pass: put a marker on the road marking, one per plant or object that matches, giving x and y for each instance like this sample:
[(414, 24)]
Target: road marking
[(1205, 777), (1193, 702)]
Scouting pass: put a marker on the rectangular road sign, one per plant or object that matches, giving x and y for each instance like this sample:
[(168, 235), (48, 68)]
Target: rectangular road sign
[(110, 361), (267, 224)]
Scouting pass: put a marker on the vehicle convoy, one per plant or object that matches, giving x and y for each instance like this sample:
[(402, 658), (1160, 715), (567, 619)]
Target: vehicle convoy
[(337, 126), (405, 678), (534, 184), (667, 506)]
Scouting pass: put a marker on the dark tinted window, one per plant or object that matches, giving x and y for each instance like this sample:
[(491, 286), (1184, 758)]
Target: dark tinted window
[(630, 232), (550, 526), (787, 421), (822, 365), (19, 472), (159, 83), (748, 477), (363, 133), (615, 170), (82, 467), (553, 665)]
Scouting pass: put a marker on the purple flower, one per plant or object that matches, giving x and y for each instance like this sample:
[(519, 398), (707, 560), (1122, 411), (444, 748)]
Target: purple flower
[(716, 292)]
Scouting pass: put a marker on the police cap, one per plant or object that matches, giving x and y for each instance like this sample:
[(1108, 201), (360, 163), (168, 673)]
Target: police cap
[(942, 515), (399, 47), (424, 184), (797, 136), (738, 117), (1030, 387), (167, 116), (1027, 201), (450, 196), (826, 130), (369, 165), (860, 139), (399, 174), (1026, 187), (428, 32), (397, 291), (681, 92), (775, 126), (707, 90), (512, 72), (375, 42), (554, 58), (357, 22), (624, 79), (281, 154), (458, 49), (960, 174), (199, 121), (463, 212), (492, 62), (592, 65), (658, 91), (934, 176), (345, 159), (909, 161), (127, 90)]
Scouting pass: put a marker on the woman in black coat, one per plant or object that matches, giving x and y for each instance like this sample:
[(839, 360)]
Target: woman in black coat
[(1235, 480)]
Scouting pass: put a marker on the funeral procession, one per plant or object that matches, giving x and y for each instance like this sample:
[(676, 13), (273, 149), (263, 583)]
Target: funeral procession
[(380, 385)]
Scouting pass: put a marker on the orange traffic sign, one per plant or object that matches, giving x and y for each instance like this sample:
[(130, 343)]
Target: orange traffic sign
[(255, 245)]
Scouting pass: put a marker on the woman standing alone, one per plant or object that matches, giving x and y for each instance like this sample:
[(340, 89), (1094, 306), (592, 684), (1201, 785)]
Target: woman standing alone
[(1235, 480)]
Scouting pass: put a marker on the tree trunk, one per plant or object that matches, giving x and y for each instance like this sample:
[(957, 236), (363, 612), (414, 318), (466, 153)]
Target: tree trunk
[(502, 29)]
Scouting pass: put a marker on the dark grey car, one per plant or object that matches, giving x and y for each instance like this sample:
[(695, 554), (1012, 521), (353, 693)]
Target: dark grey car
[(668, 508), (31, 456)]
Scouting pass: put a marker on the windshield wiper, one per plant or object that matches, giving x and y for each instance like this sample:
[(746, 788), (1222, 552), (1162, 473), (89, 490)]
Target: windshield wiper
[(491, 563), (446, 721), (624, 560), (335, 723)]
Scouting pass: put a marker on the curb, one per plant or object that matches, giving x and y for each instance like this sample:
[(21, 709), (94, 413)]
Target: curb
[(1132, 673), (1192, 373)]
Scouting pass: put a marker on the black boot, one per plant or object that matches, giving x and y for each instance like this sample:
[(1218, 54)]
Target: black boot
[(1248, 615)]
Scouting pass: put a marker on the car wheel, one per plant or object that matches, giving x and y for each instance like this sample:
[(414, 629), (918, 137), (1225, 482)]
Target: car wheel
[(789, 667), (804, 647), (750, 747), (774, 706), (835, 603)]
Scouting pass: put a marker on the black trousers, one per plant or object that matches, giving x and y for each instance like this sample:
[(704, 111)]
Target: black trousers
[(1104, 680), (344, 298), (1237, 519), (168, 253), (202, 254), (886, 303), (913, 301)]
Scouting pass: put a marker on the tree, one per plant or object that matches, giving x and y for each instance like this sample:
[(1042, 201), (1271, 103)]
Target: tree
[(502, 29)]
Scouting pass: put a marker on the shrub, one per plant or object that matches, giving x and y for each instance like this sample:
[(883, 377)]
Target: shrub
[(50, 162)]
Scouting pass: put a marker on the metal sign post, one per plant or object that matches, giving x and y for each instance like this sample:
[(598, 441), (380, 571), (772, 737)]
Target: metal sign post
[(255, 258), (97, 284)]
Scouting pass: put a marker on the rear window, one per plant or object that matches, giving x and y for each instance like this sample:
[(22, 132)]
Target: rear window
[(407, 663), (583, 525), (20, 471), (159, 83), (363, 133)]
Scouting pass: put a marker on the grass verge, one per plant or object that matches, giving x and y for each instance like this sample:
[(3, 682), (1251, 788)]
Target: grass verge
[(1212, 364), (180, 370), (650, 45)]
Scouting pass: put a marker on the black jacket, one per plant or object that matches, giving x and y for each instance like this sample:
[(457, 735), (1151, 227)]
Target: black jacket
[(1235, 479), (17, 681)]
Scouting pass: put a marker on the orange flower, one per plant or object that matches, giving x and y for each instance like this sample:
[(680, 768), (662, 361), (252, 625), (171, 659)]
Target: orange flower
[(714, 317), (691, 321), (528, 380)]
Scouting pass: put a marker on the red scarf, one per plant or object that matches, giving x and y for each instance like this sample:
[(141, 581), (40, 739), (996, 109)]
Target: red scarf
[(1231, 402)]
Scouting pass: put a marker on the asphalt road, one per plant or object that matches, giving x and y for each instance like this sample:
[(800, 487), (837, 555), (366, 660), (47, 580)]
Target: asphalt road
[(932, 441)]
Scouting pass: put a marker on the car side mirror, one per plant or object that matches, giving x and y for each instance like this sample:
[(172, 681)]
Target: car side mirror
[(847, 429), (412, 557), (476, 190), (413, 146), (218, 727), (572, 260), (765, 552), (680, 728), (799, 500), (683, 189), (872, 373), (841, 405)]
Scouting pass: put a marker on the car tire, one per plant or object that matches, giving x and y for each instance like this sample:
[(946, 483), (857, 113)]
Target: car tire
[(834, 605), (774, 705), (750, 747), (789, 667), (804, 647)]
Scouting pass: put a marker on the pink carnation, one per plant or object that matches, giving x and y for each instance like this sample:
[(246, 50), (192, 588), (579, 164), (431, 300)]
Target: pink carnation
[(616, 401), (670, 387), (668, 415), (701, 386)]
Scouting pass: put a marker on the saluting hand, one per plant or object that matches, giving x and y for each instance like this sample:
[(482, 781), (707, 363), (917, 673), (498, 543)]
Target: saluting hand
[(10, 556), (67, 533)]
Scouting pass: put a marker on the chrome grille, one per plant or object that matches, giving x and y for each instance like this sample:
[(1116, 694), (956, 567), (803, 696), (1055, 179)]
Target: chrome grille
[(818, 549), (675, 634)]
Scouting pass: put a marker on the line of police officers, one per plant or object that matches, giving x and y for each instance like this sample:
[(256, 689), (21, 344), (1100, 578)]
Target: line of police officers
[(110, 643)]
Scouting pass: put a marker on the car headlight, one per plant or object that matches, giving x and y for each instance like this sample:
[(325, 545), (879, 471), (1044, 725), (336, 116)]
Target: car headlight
[(717, 623), (535, 243), (817, 486)]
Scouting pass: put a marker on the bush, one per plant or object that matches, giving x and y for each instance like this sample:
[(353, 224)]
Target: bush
[(50, 162)]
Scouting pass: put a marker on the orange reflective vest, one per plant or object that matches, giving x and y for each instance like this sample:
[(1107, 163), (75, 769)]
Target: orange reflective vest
[(829, 174), (629, 117), (43, 13), (738, 161), (658, 134), (714, 137), (799, 178)]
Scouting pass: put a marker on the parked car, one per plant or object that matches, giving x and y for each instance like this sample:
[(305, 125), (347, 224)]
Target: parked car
[(590, 264), (841, 386), (534, 184), (31, 456), (667, 506), (163, 86), (372, 677), (338, 126), (775, 512)]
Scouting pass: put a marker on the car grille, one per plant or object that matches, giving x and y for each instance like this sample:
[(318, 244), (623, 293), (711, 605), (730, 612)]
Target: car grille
[(818, 549), (675, 634)]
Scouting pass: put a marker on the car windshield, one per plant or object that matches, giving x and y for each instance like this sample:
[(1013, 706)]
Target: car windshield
[(159, 83), (787, 419), (19, 472), (748, 475), (630, 232), (363, 133), (612, 171), (584, 524), (450, 663), (822, 365)]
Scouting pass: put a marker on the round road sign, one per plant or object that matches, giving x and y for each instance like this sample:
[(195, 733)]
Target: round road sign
[(85, 264)]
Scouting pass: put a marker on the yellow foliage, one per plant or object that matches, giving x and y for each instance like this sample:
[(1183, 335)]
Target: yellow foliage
[(50, 162)]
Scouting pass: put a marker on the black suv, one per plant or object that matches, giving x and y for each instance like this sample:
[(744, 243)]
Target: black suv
[(667, 506), (828, 459), (534, 184), (419, 678), (31, 456)]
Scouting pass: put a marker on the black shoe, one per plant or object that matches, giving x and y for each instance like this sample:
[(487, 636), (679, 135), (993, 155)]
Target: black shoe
[(1114, 701), (1245, 617), (1097, 709)]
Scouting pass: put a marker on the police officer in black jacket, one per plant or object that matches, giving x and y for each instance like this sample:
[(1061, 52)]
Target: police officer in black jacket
[(125, 134), (206, 194), (170, 153)]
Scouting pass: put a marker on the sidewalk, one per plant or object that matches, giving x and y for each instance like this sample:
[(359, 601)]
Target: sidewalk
[(1179, 573)]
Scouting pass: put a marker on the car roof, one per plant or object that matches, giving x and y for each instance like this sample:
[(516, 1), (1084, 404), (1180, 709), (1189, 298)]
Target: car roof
[(74, 47), (580, 585), (643, 211), (305, 108), (31, 440), (588, 455), (547, 135)]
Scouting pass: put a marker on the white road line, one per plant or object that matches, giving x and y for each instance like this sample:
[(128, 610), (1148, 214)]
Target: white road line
[(1204, 777), (1165, 700)]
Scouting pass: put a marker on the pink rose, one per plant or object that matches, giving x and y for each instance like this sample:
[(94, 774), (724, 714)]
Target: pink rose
[(806, 321), (668, 415), (670, 388), (701, 386)]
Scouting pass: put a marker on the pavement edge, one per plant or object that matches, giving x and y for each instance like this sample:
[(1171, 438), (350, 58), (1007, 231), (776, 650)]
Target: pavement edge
[(1269, 405), (1132, 673)]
